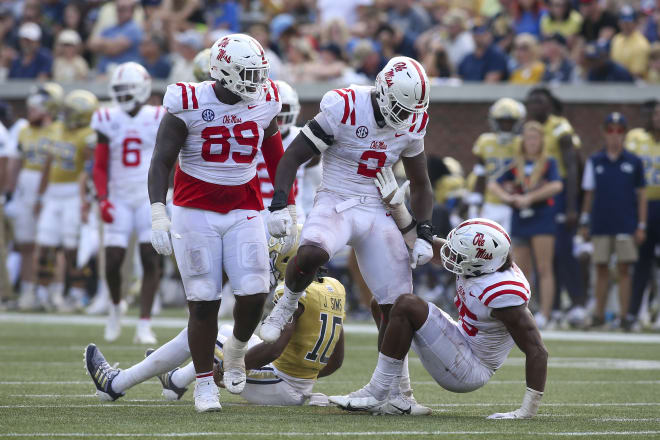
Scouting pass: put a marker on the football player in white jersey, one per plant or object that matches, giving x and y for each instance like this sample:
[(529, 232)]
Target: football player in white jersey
[(359, 130), (215, 129), (491, 297), (126, 139), (308, 175)]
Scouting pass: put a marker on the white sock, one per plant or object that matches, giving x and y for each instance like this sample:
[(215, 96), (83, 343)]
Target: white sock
[(42, 294), (77, 293), (234, 350), (405, 386), (144, 323), (291, 297), (387, 371), (183, 377), (203, 378), (56, 289), (27, 287), (166, 358)]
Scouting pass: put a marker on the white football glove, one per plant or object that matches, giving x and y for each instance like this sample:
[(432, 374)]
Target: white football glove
[(160, 229), (279, 223), (421, 254), (529, 407), (390, 192)]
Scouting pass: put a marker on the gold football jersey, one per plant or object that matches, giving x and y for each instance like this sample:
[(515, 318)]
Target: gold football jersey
[(68, 153), (317, 330), (555, 128), (35, 143), (496, 158), (642, 143)]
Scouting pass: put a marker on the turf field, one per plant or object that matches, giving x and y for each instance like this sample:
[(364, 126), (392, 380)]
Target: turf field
[(602, 388)]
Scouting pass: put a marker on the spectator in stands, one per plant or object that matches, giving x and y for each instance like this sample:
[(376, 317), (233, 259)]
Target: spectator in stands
[(436, 62), (533, 179), (394, 42), (630, 48), (34, 61), (32, 13), (259, 31), (335, 32), (653, 73), (561, 18), (599, 24), (73, 20), (412, 19), (366, 60), (459, 42), (119, 43), (613, 213), (527, 17), (558, 66), (487, 63), (152, 58), (69, 66), (600, 68), (529, 68), (349, 10), (186, 46), (223, 15)]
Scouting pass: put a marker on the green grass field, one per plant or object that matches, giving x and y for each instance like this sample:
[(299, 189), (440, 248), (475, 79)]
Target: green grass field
[(594, 390)]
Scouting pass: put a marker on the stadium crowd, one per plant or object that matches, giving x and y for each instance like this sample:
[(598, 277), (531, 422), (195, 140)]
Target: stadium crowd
[(516, 41), (532, 185)]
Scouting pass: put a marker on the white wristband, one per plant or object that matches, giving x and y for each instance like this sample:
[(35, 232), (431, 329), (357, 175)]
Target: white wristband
[(401, 216), (531, 402), (474, 198), (159, 219)]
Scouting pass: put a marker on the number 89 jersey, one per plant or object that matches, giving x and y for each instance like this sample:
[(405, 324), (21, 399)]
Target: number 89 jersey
[(217, 167), (361, 147), (131, 143), (317, 329)]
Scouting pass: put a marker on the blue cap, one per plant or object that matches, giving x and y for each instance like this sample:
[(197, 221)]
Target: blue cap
[(594, 51), (480, 29), (616, 118), (627, 13)]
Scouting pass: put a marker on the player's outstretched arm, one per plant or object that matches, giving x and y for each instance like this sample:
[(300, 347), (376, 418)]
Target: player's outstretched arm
[(522, 327), (171, 136), (336, 358), (265, 353)]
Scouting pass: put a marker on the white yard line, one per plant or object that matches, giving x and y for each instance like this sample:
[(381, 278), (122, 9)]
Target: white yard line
[(367, 328), (334, 434), (624, 419)]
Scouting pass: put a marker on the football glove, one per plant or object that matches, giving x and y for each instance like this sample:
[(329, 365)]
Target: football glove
[(160, 229), (529, 407), (106, 211), (390, 192), (421, 254), (279, 223)]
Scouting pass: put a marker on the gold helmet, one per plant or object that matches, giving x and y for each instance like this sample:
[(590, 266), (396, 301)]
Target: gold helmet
[(279, 259), (48, 96), (79, 106), (506, 117), (452, 185), (202, 66)]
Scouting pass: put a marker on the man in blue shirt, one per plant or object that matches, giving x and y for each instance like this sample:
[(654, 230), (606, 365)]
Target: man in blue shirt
[(602, 68), (152, 58), (487, 63), (34, 60), (120, 43), (614, 209)]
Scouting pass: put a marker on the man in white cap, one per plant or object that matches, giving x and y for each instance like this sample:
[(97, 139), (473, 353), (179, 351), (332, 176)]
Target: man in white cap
[(69, 65), (34, 61)]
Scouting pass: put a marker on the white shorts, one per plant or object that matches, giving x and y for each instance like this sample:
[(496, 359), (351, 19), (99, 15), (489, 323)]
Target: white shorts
[(265, 386), (381, 253), (207, 242), (59, 221), (498, 212), (25, 197), (129, 216), (446, 354)]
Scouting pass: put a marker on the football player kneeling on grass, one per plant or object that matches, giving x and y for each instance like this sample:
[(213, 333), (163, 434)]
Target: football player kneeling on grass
[(491, 298), (281, 373)]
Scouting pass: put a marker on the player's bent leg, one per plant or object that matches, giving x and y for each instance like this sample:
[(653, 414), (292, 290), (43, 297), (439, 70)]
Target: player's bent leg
[(446, 354), (264, 387), (300, 272)]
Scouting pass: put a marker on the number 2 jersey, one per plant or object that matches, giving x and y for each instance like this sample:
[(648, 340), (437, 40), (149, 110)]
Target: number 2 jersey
[(361, 147), (131, 142), (217, 169), (475, 299)]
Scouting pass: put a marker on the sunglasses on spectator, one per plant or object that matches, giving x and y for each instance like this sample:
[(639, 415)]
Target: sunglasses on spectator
[(615, 129)]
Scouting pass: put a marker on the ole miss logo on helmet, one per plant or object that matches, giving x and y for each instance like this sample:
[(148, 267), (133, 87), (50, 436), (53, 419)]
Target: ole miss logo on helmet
[(398, 67), (479, 240), (222, 52)]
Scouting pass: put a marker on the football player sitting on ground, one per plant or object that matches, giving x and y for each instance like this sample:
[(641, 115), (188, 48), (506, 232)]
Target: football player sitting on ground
[(281, 373), (491, 297)]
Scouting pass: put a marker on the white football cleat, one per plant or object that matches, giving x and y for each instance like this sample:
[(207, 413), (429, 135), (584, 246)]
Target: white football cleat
[(281, 315), (144, 334), (207, 397), (360, 400), (27, 300), (113, 325), (402, 405)]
